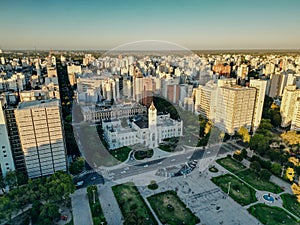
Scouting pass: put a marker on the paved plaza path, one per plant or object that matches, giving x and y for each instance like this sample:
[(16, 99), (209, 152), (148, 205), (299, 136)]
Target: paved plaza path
[(81, 209), (109, 204)]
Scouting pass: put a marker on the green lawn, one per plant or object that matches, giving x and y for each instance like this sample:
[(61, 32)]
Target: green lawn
[(143, 154), (271, 215), (253, 179), (231, 164), (239, 191), (96, 210), (171, 210), (132, 205), (167, 147), (291, 204), (121, 154)]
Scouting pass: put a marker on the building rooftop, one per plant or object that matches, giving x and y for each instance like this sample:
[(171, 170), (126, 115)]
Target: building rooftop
[(38, 104), (143, 123)]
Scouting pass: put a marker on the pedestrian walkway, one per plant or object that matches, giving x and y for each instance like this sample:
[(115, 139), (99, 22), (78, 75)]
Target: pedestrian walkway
[(81, 209), (284, 185), (259, 194), (109, 204)]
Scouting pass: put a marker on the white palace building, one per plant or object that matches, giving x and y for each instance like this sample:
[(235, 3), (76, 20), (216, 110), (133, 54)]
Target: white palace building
[(149, 131)]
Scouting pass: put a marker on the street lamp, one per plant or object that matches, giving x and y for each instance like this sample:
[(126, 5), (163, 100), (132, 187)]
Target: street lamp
[(94, 200), (228, 187)]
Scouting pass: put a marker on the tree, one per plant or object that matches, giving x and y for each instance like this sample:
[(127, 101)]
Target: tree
[(276, 169), (244, 153), (20, 199), (35, 211), (48, 213), (265, 174), (6, 208), (68, 118), (265, 125), (290, 173), (291, 137), (207, 128), (276, 119), (296, 190), (21, 178), (259, 143), (11, 179), (202, 125), (274, 155), (238, 157), (77, 166), (244, 133), (255, 166), (2, 184), (60, 185), (153, 185)]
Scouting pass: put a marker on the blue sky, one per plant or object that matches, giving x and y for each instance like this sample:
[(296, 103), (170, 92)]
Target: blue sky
[(194, 24)]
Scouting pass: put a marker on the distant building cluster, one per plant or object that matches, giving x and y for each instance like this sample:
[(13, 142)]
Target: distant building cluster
[(228, 89)]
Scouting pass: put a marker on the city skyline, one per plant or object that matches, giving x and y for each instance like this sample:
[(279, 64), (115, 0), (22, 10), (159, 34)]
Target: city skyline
[(197, 25)]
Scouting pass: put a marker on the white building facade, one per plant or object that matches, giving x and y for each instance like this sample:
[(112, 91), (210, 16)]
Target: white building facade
[(149, 131)]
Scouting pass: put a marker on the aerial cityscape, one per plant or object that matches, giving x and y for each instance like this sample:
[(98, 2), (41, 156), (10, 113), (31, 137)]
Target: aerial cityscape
[(144, 113)]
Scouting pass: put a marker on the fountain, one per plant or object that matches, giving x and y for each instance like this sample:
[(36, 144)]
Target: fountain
[(268, 198)]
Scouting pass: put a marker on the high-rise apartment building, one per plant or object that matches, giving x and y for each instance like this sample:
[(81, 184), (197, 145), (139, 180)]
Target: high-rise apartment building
[(41, 134), (14, 139), (6, 158), (242, 71), (275, 85), (205, 100), (288, 104), (295, 123), (235, 106), (260, 86)]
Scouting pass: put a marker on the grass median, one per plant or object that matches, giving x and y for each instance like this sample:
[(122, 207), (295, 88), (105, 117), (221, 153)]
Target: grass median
[(291, 204), (255, 181), (171, 210), (96, 210), (271, 215), (132, 205), (231, 164), (238, 190)]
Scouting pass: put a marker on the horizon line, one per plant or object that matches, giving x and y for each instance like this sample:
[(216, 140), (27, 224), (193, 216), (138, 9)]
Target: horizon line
[(233, 49)]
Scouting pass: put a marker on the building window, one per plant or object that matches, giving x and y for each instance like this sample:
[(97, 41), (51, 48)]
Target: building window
[(3, 146), (5, 155)]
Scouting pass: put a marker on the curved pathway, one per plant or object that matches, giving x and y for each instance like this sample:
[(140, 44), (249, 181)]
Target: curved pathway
[(259, 194)]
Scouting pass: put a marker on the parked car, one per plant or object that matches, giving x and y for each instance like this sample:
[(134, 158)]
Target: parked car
[(64, 217)]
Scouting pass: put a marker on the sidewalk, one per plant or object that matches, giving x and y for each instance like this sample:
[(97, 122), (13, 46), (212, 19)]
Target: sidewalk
[(81, 209), (109, 204)]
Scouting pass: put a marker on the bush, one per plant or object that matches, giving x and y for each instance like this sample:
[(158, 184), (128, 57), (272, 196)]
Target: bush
[(170, 208), (133, 206), (255, 166), (244, 153), (263, 163), (153, 185), (238, 157), (276, 169), (265, 174)]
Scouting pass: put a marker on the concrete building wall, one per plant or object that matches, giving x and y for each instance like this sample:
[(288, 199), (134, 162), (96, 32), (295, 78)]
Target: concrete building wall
[(6, 157), (41, 135)]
